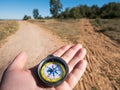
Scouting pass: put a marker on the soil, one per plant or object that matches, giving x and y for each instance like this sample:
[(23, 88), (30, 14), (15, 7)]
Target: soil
[(103, 56)]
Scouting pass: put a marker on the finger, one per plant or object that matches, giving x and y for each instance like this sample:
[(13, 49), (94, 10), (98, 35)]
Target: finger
[(68, 55), (79, 56), (63, 86), (19, 62), (62, 50), (76, 74)]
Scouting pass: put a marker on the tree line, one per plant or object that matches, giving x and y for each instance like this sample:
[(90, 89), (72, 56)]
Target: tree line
[(108, 11)]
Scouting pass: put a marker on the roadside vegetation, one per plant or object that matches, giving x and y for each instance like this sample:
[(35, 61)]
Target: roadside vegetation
[(26, 17), (109, 27), (110, 10), (6, 29)]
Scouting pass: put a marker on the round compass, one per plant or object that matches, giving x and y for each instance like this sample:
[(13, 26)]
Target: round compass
[(53, 70)]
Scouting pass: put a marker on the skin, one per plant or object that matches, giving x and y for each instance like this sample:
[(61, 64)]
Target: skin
[(16, 77)]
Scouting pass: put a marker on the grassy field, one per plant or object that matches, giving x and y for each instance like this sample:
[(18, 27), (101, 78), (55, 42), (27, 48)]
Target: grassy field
[(66, 29), (109, 27), (6, 29)]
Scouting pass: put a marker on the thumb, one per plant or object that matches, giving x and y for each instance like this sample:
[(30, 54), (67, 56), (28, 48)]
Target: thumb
[(19, 61)]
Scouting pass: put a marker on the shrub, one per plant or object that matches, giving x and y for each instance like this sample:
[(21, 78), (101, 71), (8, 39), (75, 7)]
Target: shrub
[(26, 17)]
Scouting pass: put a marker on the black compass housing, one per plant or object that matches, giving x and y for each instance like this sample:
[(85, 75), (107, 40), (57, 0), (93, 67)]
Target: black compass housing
[(56, 59)]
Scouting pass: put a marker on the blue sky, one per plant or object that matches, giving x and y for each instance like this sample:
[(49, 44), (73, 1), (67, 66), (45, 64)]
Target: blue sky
[(16, 9)]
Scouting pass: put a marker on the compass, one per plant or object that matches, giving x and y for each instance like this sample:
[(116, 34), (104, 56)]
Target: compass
[(53, 70)]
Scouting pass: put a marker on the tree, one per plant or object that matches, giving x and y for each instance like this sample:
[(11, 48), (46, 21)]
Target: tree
[(95, 11), (26, 17), (55, 7), (35, 13), (40, 17), (67, 13), (83, 10), (75, 13), (110, 10), (47, 17)]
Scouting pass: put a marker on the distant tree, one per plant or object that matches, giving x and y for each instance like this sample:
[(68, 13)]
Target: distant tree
[(83, 10), (40, 17), (47, 17), (26, 17), (110, 10), (75, 13), (95, 12), (61, 15), (35, 13), (55, 7), (67, 13)]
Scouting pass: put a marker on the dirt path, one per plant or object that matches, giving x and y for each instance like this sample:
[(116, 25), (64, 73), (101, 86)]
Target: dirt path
[(103, 55), (32, 39)]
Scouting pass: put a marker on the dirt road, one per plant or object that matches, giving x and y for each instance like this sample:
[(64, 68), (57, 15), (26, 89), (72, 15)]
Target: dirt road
[(103, 56), (35, 41)]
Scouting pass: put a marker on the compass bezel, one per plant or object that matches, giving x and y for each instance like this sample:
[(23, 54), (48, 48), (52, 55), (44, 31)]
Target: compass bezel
[(56, 59)]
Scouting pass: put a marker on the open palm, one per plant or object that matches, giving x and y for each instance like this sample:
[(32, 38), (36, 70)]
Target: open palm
[(17, 78)]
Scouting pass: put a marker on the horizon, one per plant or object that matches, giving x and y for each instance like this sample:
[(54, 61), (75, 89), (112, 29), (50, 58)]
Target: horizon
[(17, 9)]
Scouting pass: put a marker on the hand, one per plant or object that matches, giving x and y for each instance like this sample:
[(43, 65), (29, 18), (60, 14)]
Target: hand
[(17, 78)]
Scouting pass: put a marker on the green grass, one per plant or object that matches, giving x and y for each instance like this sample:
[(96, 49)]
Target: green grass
[(109, 27), (6, 29), (66, 29)]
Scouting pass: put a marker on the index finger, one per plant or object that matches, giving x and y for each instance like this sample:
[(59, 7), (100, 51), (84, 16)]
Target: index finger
[(62, 50)]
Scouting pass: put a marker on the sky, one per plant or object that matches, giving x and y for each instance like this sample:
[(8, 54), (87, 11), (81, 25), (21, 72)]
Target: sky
[(16, 9)]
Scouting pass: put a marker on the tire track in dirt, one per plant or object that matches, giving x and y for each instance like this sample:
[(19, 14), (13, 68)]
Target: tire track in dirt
[(36, 41), (103, 57)]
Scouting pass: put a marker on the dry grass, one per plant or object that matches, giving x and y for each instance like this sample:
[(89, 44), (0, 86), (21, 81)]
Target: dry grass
[(6, 29), (66, 29), (109, 27)]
